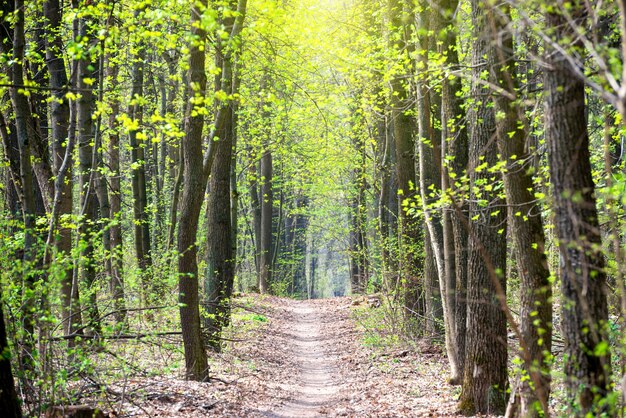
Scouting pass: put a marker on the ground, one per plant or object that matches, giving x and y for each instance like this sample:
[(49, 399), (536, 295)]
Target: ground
[(288, 358)]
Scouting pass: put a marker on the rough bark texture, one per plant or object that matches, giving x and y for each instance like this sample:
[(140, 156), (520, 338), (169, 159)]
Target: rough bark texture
[(26, 186), (403, 127), (85, 108), (485, 377), (193, 189), (428, 153), (59, 133), (9, 402), (150, 289), (116, 283), (525, 223), (454, 218), (358, 225), (583, 279), (265, 241)]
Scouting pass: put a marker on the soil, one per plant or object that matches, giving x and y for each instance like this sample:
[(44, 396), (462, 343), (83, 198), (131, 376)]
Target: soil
[(299, 359)]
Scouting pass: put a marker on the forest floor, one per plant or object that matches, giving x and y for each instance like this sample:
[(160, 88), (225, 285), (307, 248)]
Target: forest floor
[(288, 358)]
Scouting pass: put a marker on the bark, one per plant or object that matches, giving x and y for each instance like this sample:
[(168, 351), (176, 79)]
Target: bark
[(525, 223), (429, 169), (358, 228), (454, 145), (583, 279), (220, 258), (59, 134), (197, 166), (400, 103), (85, 108), (221, 255), (255, 208), (116, 283), (193, 189), (150, 289), (265, 241), (9, 401), (26, 186), (42, 161), (485, 374)]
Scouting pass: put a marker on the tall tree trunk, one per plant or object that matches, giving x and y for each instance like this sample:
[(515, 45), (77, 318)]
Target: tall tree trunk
[(429, 166), (85, 107), (193, 190), (220, 258), (267, 198), (358, 227), (583, 278), (403, 126), (150, 290), (454, 146), (526, 224), (485, 375), (9, 401), (116, 283), (255, 208), (26, 186), (59, 126)]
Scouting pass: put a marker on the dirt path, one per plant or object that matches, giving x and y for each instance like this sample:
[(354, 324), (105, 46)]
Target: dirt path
[(311, 347), (303, 359)]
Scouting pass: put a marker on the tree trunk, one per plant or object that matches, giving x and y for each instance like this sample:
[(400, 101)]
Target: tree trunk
[(26, 186), (59, 126), (85, 108), (116, 283), (454, 228), (267, 198), (429, 166), (583, 278), (193, 190), (526, 224), (150, 290), (9, 402), (454, 145), (400, 103), (485, 375)]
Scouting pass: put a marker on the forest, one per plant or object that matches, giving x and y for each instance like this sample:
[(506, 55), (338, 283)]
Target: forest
[(169, 166)]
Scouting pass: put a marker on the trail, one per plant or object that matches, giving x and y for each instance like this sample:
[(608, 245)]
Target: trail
[(311, 345), (301, 359)]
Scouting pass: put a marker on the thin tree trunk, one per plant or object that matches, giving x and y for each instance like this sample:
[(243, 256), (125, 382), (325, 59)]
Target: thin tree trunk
[(59, 125), (454, 145), (85, 108), (267, 197), (150, 289), (26, 189), (116, 283), (429, 164)]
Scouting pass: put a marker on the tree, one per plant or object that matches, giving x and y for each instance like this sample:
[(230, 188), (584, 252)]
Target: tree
[(138, 162), (193, 189), (403, 126), (525, 222), (485, 373), (583, 279), (455, 219), (9, 402), (62, 158), (220, 256)]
